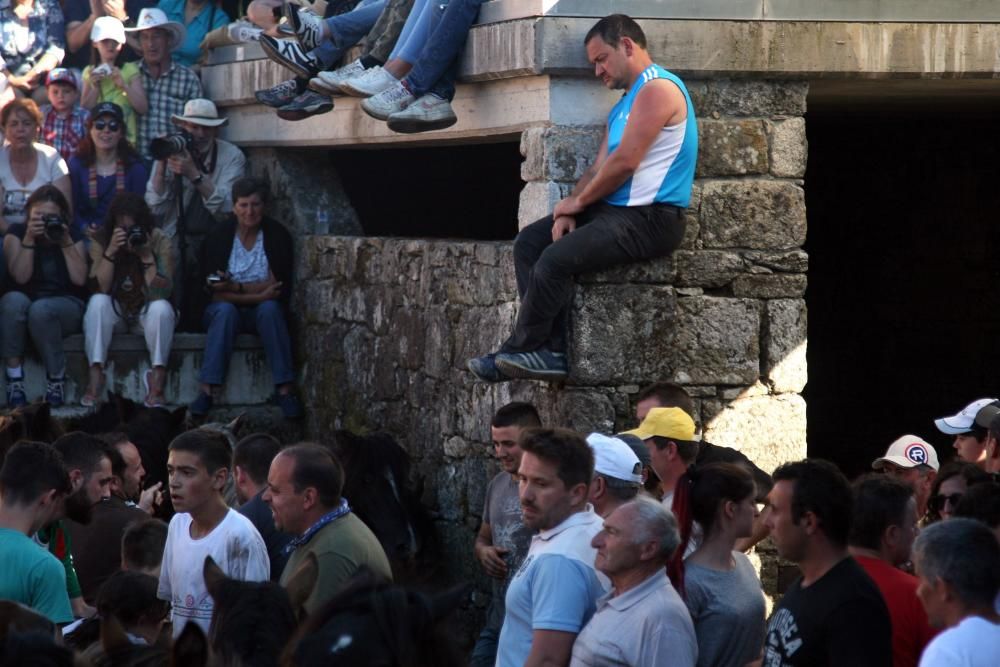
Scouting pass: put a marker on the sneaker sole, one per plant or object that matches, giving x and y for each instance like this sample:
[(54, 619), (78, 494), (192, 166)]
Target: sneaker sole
[(277, 57), (520, 372), (355, 92), (274, 105), (375, 114), (323, 88), (469, 367), (415, 126), (302, 114)]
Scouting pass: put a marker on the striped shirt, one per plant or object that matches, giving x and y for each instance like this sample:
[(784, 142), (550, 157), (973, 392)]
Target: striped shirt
[(167, 96)]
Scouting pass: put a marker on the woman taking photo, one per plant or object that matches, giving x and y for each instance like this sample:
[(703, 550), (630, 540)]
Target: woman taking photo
[(131, 264), (47, 270), (247, 263), (26, 165), (719, 584), (105, 165)]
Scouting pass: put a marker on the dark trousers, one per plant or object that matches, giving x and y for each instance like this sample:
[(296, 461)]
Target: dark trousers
[(605, 236)]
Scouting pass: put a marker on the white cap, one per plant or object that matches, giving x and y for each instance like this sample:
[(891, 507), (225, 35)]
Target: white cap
[(964, 420), (107, 27), (613, 458), (909, 451)]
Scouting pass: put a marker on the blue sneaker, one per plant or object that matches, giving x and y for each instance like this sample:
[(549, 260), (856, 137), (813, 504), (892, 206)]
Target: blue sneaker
[(16, 398), (485, 368), (540, 364), (55, 392), (290, 405), (201, 405)]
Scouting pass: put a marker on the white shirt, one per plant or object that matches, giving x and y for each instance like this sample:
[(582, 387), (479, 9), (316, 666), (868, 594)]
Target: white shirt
[(51, 167), (235, 546), (975, 642)]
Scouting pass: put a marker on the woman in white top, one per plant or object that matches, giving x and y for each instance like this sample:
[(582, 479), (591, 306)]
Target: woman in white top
[(26, 165)]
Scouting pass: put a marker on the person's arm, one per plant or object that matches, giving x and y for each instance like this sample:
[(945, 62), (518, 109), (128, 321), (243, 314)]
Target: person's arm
[(550, 648), (157, 194), (758, 532), (219, 198), (240, 294), (563, 593), (55, 38), (564, 224), (135, 92), (20, 255), (104, 261), (488, 555), (88, 98), (658, 104), (64, 185), (159, 269)]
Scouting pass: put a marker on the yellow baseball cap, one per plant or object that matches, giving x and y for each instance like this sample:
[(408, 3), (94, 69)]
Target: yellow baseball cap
[(671, 423)]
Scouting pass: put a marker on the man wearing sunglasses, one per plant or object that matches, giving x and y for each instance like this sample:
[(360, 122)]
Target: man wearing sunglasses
[(913, 461)]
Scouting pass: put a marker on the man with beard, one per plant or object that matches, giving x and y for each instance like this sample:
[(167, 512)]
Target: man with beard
[(89, 469), (93, 560), (33, 485)]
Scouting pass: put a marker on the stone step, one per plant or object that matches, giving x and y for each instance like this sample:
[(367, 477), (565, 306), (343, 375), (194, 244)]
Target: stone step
[(247, 384)]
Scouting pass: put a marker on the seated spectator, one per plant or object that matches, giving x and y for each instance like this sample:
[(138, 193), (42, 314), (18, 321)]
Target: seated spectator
[(617, 474), (304, 486), (642, 621), (142, 546), (108, 78), (958, 562), (33, 487), (32, 41), (199, 17), (131, 265), (63, 119), (168, 84), (913, 461), (720, 585), (882, 533), (80, 18), (105, 165), (292, 99), (952, 481), (47, 268), (252, 457), (247, 265), (93, 561), (25, 164)]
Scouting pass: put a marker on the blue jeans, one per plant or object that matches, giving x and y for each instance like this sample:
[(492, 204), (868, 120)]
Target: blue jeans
[(346, 30), (484, 653), (224, 320), (48, 320), (421, 22), (436, 69)]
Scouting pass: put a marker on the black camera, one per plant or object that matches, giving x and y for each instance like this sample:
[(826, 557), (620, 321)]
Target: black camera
[(137, 237), (53, 226), (172, 144)]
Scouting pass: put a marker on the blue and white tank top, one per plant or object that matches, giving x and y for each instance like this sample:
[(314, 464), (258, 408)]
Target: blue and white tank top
[(666, 172)]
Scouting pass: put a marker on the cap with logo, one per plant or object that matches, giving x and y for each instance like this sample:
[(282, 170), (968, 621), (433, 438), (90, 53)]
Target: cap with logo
[(613, 458), (61, 75), (670, 423), (908, 451), (108, 109), (965, 420)]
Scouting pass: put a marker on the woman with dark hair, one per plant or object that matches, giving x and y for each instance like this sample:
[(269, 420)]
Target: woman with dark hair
[(47, 265), (131, 265), (951, 483), (105, 164), (719, 584), (247, 264)]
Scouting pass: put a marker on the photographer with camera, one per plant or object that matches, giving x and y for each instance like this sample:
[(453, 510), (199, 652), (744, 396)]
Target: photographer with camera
[(48, 268), (131, 264)]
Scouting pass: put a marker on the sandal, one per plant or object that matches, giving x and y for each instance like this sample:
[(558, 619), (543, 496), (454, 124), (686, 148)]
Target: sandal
[(89, 400), (154, 402)]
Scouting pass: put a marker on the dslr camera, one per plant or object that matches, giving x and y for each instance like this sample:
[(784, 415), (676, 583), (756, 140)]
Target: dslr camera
[(172, 144), (137, 237), (53, 227)]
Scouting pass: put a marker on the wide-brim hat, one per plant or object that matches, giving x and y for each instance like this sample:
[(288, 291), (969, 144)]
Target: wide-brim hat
[(200, 112), (152, 17)]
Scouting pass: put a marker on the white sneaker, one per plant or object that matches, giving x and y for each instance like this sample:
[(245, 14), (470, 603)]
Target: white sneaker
[(329, 82), (372, 82), (391, 100), (244, 31), (430, 112)]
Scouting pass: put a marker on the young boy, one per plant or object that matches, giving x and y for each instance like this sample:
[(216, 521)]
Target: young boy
[(64, 122), (197, 467)]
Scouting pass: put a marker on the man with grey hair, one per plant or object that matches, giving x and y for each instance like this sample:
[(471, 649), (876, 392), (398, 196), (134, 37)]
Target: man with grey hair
[(617, 474), (642, 621), (958, 562)]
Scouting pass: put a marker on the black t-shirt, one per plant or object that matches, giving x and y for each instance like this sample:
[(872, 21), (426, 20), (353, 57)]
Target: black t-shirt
[(839, 621), (50, 276)]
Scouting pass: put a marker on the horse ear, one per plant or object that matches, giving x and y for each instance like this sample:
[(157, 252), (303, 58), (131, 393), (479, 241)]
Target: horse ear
[(214, 577), (444, 603), (234, 426), (112, 634), (191, 647), (300, 585)]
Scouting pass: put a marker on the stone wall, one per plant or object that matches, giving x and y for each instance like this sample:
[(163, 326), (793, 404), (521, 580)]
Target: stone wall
[(386, 325)]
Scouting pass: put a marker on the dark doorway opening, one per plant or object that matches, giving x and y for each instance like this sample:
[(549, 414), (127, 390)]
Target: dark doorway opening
[(904, 276), (467, 192)]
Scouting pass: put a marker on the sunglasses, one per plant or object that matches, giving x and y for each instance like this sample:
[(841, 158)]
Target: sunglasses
[(938, 502), (112, 125)]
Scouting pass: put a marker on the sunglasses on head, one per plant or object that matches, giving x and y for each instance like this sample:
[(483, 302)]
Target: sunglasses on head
[(112, 125), (938, 502)]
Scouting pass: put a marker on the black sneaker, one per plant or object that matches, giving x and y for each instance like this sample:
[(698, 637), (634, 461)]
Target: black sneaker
[(291, 407), (280, 95), (309, 103), (287, 52), (541, 364)]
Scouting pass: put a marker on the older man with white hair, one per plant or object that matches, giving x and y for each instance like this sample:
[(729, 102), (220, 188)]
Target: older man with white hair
[(642, 621), (617, 474)]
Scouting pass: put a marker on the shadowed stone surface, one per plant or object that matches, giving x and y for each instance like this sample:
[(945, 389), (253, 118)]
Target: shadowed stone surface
[(753, 214)]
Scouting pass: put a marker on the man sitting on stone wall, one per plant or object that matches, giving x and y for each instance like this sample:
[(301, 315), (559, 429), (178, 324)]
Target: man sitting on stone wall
[(629, 206)]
